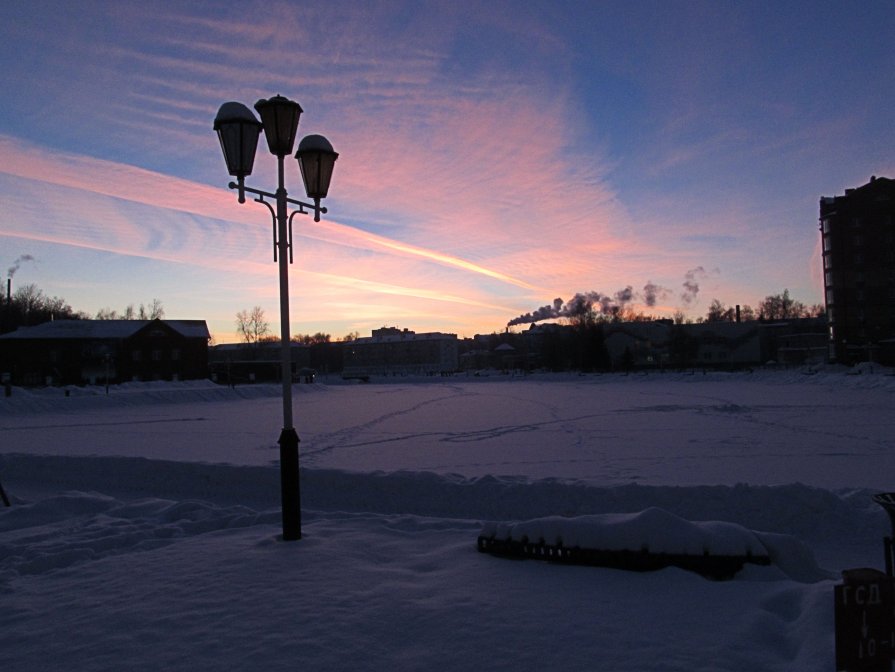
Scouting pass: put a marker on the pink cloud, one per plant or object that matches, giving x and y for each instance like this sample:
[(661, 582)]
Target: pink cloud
[(475, 188)]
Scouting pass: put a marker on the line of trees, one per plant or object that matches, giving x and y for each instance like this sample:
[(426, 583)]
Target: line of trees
[(154, 311), (29, 306), (773, 307), (253, 328)]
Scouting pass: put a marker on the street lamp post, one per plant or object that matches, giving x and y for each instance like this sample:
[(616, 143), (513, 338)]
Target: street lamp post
[(238, 130)]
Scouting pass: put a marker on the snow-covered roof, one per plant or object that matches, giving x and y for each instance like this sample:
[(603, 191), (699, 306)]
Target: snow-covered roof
[(80, 329)]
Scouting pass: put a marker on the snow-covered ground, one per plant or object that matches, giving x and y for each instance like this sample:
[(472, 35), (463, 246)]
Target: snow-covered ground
[(143, 531)]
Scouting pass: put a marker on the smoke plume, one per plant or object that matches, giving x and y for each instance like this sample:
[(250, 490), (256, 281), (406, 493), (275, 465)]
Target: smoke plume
[(653, 293), (614, 304), (578, 305), (691, 285), (692, 278), (17, 264)]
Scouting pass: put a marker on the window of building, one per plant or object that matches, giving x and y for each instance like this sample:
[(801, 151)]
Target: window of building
[(136, 355), (156, 355), (175, 354)]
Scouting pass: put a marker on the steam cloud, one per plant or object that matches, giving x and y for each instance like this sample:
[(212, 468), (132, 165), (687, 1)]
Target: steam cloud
[(653, 293), (580, 304), (691, 283), (612, 305), (17, 264)]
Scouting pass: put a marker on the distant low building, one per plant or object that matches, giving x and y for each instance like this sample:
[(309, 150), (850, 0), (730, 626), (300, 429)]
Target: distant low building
[(240, 363), (393, 351), (727, 344), (796, 341), (638, 344), (661, 343), (75, 352)]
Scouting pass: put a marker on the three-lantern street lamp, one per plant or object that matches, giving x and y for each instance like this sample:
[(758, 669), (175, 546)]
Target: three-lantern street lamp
[(238, 130)]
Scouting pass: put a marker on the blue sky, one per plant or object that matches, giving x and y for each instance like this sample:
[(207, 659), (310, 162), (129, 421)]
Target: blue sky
[(494, 156)]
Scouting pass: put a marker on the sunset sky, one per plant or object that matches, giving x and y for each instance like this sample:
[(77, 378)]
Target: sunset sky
[(494, 156)]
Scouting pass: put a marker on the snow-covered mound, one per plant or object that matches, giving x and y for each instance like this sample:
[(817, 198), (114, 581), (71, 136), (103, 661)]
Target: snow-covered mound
[(808, 513)]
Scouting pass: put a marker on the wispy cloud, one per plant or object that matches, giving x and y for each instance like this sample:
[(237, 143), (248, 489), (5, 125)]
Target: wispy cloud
[(140, 213)]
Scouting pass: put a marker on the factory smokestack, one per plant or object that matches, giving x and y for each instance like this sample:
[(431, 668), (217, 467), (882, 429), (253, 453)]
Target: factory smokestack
[(738, 312)]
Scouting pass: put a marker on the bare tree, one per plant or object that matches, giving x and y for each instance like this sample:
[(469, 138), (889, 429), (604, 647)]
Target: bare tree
[(784, 307), (29, 298), (155, 311), (29, 306), (312, 339), (718, 312), (251, 325), (107, 314), (747, 314)]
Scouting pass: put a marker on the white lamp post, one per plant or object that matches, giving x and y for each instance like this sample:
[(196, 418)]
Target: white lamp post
[(238, 131)]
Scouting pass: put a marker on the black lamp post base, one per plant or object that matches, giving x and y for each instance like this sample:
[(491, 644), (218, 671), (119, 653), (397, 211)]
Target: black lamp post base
[(289, 485)]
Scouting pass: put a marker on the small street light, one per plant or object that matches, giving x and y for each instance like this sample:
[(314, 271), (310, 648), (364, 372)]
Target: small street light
[(238, 130)]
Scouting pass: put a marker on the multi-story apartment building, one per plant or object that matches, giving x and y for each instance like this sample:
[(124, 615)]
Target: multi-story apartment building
[(858, 237), (392, 351)]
